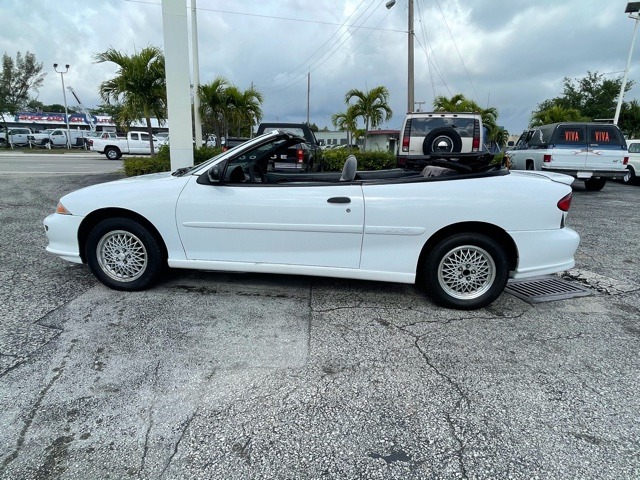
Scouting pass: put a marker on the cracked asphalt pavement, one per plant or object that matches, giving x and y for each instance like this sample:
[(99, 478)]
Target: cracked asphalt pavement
[(213, 375)]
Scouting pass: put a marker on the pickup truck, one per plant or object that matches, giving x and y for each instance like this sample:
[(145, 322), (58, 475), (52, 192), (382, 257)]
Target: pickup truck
[(17, 136), (303, 157), (135, 143), (56, 137)]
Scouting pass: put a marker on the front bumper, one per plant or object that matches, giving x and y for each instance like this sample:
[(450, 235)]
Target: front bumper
[(62, 233)]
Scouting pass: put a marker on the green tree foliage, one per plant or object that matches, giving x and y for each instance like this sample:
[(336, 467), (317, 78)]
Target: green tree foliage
[(489, 115), (589, 98), (549, 112), (139, 86), (347, 121), (372, 106), (225, 109), (629, 120), (18, 79)]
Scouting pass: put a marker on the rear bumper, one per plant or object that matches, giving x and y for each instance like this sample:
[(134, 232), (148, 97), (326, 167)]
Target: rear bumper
[(543, 252), (585, 174)]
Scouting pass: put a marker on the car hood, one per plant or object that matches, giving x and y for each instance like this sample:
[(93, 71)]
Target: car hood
[(134, 193)]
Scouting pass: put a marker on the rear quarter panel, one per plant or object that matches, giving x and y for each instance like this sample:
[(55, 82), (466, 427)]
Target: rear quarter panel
[(400, 218)]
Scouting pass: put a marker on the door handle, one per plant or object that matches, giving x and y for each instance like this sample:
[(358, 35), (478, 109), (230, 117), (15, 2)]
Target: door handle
[(339, 200)]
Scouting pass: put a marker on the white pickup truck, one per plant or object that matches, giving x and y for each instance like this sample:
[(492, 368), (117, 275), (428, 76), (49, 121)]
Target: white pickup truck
[(135, 143), (16, 136), (56, 137)]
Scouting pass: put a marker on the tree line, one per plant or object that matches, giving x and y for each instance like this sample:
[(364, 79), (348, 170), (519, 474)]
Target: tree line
[(138, 91)]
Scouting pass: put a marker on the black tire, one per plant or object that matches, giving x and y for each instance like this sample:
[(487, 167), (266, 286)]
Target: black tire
[(595, 184), (466, 271), (124, 255), (631, 179), (112, 153), (530, 165), (433, 143)]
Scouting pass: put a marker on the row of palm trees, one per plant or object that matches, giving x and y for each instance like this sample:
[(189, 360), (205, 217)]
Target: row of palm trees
[(139, 89)]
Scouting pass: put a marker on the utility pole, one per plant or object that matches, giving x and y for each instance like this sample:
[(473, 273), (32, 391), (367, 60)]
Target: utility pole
[(308, 94), (419, 104)]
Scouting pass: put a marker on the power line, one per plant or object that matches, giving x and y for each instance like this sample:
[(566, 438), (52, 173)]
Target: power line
[(273, 17), (444, 18)]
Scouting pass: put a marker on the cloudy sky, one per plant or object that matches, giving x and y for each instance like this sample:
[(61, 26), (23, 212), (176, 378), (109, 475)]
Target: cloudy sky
[(509, 54)]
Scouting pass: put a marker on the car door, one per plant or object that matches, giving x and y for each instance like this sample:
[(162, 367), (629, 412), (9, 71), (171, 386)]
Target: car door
[(306, 224), (58, 137), (569, 147), (607, 148)]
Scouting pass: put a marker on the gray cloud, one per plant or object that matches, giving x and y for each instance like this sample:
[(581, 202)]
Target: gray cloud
[(511, 54)]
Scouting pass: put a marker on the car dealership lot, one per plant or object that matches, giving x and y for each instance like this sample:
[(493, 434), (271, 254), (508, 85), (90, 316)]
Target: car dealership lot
[(241, 376)]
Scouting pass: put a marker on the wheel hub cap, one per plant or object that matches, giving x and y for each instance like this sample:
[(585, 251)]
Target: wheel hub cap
[(466, 272), (122, 256)]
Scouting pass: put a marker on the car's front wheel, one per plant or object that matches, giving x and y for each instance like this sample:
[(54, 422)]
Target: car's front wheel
[(466, 271), (124, 255)]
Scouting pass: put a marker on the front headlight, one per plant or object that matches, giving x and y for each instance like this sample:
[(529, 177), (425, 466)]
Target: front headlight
[(62, 210)]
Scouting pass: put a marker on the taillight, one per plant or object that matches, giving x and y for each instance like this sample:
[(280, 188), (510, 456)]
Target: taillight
[(546, 158), (565, 202), (625, 161), (300, 155), (405, 144), (91, 143), (475, 144), (406, 136)]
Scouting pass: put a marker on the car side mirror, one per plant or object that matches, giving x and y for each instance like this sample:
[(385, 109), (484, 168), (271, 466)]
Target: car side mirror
[(215, 174)]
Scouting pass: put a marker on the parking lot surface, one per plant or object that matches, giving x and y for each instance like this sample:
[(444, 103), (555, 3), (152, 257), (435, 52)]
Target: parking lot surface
[(214, 375)]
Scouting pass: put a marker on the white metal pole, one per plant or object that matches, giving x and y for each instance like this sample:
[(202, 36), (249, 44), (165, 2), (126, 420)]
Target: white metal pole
[(197, 119), (626, 71), (66, 112), (176, 52)]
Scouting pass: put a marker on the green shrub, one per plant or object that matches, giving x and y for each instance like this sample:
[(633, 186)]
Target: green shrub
[(334, 160), (134, 166)]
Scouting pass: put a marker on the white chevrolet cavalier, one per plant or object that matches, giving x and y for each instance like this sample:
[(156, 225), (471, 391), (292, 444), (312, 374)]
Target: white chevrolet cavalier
[(459, 234)]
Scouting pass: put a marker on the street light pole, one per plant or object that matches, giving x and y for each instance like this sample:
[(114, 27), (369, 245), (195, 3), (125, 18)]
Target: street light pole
[(632, 9), (410, 54), (64, 95)]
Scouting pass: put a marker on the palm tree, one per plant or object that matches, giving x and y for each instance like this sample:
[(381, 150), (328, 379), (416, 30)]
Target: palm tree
[(213, 105), (554, 114), (139, 86), (457, 103), (372, 106), (225, 108), (347, 121), (244, 109)]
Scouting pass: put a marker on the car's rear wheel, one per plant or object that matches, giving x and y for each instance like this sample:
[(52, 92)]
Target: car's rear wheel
[(595, 184), (442, 140), (466, 271), (112, 153), (124, 255), (631, 179)]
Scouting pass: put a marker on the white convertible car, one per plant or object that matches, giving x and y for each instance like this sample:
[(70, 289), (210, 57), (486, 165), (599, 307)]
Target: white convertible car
[(458, 234)]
